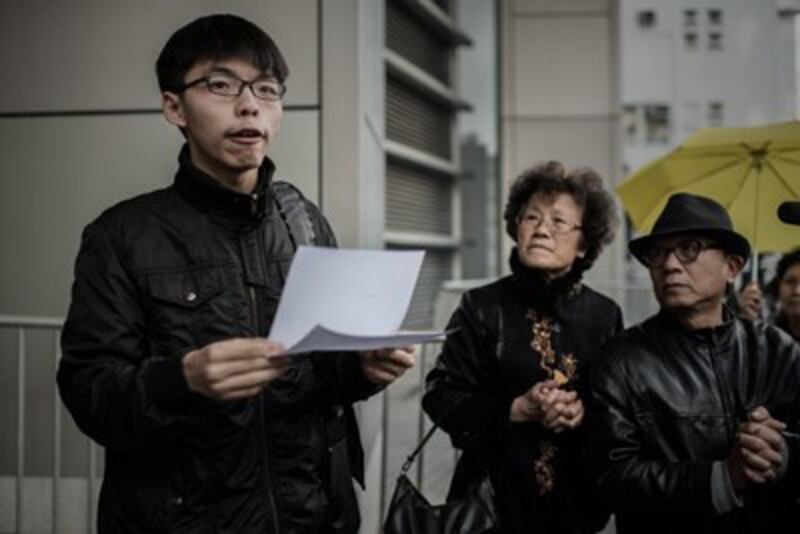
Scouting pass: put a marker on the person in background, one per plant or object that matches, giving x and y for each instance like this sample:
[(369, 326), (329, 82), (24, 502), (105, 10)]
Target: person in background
[(785, 289), (207, 427), (749, 301), (694, 413), (507, 384)]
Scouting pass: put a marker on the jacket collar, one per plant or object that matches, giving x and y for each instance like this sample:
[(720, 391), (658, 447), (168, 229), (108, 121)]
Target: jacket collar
[(544, 295), (207, 195), (722, 334)]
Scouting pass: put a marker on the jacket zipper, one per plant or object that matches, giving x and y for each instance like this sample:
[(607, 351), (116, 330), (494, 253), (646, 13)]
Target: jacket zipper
[(722, 389), (260, 414)]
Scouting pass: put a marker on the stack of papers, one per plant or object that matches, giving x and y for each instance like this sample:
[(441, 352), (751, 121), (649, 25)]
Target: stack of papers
[(341, 300)]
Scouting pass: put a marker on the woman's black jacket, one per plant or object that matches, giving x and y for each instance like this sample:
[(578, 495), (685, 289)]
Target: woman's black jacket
[(486, 362)]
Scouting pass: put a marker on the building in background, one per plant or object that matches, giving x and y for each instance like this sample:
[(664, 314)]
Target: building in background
[(692, 64)]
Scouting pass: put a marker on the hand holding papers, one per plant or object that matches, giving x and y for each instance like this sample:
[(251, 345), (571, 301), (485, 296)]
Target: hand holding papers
[(336, 299)]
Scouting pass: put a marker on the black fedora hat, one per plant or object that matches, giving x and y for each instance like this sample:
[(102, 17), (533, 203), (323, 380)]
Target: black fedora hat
[(692, 214)]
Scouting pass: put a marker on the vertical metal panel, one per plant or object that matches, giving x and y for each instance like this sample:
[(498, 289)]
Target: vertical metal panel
[(20, 424), (414, 120), (436, 269), (384, 451), (56, 438), (418, 201), (416, 42), (92, 503)]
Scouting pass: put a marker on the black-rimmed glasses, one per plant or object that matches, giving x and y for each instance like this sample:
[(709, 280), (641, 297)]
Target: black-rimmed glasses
[(686, 250), (228, 85)]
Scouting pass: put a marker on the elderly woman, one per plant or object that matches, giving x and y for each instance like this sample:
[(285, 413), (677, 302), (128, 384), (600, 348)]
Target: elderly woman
[(506, 386), (785, 288)]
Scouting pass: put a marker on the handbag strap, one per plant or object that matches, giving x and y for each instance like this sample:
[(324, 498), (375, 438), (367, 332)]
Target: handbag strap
[(413, 455)]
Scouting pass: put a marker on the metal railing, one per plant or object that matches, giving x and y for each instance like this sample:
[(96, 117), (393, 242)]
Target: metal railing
[(403, 424), (22, 327)]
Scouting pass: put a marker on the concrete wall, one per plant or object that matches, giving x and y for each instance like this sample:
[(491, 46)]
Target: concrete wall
[(80, 126), (560, 97)]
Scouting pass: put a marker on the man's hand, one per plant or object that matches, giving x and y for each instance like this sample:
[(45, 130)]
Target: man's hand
[(556, 409), (760, 450), (384, 366), (749, 300), (235, 368)]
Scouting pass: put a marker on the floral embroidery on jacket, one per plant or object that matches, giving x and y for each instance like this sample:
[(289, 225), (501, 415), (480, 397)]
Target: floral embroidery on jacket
[(562, 369), (543, 468)]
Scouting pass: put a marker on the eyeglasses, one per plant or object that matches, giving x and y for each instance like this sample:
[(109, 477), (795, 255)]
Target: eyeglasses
[(556, 225), (686, 250), (228, 85)]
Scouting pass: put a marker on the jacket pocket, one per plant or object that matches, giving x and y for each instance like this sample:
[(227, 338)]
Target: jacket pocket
[(187, 309)]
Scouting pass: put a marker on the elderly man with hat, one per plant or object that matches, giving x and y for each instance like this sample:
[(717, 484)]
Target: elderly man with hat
[(694, 413)]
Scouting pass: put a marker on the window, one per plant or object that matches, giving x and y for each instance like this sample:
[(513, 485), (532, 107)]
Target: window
[(693, 116), (715, 17), (715, 41), (690, 18), (646, 19), (715, 113), (630, 124), (690, 40), (657, 123)]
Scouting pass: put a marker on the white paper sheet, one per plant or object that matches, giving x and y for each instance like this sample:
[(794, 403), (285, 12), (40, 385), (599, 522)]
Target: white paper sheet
[(339, 299)]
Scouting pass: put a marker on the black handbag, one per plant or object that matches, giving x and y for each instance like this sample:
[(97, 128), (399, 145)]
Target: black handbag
[(411, 513)]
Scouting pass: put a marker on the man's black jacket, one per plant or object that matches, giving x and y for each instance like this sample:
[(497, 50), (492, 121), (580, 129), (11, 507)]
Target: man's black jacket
[(666, 403), (171, 271)]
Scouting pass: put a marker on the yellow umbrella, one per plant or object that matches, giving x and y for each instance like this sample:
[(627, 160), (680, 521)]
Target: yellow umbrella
[(748, 170)]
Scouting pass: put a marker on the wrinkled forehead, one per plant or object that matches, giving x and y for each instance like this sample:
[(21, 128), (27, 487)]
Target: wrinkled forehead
[(556, 201)]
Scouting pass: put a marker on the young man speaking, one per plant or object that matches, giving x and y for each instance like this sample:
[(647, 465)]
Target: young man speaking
[(206, 428)]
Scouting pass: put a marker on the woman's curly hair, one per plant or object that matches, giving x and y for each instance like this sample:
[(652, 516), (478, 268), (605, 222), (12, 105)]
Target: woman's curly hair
[(584, 185)]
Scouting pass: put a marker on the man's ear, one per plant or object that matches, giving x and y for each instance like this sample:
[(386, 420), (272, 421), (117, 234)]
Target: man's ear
[(172, 108), (735, 266)]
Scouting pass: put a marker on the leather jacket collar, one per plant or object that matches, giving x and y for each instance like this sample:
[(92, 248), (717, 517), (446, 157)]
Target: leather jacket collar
[(722, 335), (203, 192)]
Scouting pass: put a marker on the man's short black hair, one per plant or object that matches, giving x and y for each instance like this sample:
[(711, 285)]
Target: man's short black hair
[(217, 38)]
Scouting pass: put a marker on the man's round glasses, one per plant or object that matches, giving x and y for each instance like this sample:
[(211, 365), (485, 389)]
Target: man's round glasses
[(227, 85), (556, 225), (686, 250)]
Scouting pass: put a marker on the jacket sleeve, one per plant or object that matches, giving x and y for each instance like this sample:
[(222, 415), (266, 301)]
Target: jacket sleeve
[(627, 478), (785, 353), (119, 394), (461, 394)]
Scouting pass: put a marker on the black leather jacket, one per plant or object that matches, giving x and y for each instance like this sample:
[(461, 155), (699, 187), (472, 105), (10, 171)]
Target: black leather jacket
[(165, 273), (665, 404), (491, 358)]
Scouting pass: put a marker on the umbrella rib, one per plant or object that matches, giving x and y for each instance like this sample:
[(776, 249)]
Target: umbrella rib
[(784, 159), (708, 174), (712, 172), (699, 153), (742, 182), (781, 179)]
